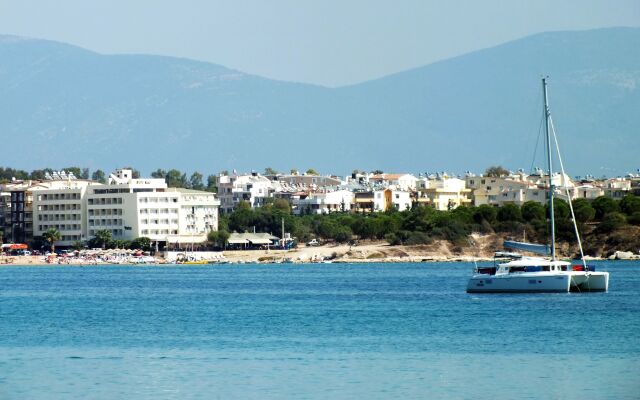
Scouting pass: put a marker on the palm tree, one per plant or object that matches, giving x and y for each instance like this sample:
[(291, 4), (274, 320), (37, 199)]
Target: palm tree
[(103, 237), (52, 235)]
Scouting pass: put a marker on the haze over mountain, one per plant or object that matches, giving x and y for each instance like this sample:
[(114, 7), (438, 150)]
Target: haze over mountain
[(62, 105)]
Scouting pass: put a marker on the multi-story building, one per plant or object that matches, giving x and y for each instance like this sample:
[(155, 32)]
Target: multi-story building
[(516, 188), (323, 202), (617, 188), (22, 211), (61, 207), (254, 189), (405, 182), (381, 200), (443, 193), (131, 208)]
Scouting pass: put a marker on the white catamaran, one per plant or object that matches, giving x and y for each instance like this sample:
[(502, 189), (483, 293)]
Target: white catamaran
[(515, 273)]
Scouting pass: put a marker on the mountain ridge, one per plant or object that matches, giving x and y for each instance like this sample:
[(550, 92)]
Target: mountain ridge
[(75, 106)]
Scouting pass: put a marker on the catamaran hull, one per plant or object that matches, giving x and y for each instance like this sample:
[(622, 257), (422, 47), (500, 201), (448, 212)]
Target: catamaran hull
[(521, 283), (589, 281)]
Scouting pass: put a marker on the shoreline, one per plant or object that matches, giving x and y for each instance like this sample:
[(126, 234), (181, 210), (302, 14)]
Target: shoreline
[(369, 252)]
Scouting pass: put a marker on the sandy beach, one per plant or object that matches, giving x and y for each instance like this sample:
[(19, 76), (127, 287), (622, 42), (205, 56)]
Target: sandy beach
[(366, 251)]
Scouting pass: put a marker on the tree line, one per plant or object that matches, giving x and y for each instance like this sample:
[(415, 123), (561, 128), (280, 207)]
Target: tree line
[(103, 239), (423, 224), (419, 225)]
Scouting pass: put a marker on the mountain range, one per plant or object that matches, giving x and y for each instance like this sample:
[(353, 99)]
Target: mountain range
[(62, 105)]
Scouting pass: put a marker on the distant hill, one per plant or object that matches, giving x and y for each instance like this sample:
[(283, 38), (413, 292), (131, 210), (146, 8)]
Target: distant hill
[(62, 105)]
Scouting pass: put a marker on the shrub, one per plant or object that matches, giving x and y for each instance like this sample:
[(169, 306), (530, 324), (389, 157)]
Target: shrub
[(393, 239), (611, 222), (604, 205), (418, 238), (532, 211), (583, 211), (634, 218), (485, 213), (509, 212), (630, 204)]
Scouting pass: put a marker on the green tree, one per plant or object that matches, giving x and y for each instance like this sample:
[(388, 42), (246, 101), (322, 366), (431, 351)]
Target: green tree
[(99, 176), (312, 171), (120, 244), (84, 174), (102, 238), (75, 170), (159, 174), (196, 181), (141, 243), (509, 212), (211, 184), (583, 210), (630, 204), (496, 171), (270, 171), (604, 205), (218, 239), (39, 174), (282, 205), (611, 221), (561, 210), (176, 179), (52, 235), (342, 234), (243, 205), (532, 211), (487, 213)]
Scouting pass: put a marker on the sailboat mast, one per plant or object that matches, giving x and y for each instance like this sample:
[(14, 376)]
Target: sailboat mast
[(550, 166)]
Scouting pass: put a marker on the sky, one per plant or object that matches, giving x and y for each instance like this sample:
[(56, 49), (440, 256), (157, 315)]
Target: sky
[(330, 43)]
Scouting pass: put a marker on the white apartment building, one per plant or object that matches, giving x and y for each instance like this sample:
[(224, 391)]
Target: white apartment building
[(617, 188), (61, 205), (405, 182), (586, 191), (382, 200), (253, 189), (132, 208), (323, 203)]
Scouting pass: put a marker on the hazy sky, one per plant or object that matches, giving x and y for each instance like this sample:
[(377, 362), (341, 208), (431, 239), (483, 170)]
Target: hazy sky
[(326, 42)]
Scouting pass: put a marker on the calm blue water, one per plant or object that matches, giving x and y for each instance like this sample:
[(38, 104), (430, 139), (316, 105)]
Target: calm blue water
[(337, 331)]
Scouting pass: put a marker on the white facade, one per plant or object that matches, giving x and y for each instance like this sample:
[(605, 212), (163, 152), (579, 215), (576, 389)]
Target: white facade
[(587, 191), (323, 203), (381, 200), (617, 188), (61, 205), (404, 182), (253, 189), (132, 208)]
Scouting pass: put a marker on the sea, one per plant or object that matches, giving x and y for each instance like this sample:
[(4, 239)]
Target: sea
[(310, 331)]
